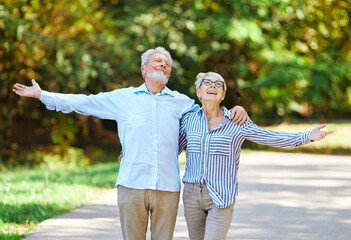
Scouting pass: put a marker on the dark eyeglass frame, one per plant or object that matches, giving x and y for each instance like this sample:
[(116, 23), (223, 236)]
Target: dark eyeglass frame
[(209, 82)]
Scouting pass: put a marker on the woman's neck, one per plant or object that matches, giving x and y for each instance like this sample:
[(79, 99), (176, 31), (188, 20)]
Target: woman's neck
[(214, 114)]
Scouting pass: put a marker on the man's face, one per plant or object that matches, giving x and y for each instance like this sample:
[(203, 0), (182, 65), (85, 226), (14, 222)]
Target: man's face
[(157, 62)]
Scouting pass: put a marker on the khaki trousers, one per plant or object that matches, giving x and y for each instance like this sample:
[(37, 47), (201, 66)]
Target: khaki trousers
[(137, 205), (203, 218)]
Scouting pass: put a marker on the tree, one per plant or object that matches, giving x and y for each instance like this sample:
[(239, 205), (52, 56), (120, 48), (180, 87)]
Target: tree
[(281, 59)]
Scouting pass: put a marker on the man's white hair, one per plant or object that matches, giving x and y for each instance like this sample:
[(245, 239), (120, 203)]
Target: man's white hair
[(201, 76), (146, 55)]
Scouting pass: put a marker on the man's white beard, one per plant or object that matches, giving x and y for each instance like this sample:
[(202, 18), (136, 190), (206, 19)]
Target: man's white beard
[(157, 77)]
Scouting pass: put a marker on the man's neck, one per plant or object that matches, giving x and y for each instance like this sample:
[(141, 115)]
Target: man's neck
[(153, 86)]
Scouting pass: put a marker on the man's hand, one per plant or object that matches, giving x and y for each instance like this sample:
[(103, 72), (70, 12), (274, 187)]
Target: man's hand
[(25, 91), (239, 115), (317, 134)]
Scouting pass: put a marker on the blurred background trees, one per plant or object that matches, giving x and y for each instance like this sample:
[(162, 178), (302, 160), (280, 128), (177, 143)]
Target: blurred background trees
[(282, 60)]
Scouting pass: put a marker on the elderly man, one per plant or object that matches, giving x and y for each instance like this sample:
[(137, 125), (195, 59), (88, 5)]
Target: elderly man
[(148, 127)]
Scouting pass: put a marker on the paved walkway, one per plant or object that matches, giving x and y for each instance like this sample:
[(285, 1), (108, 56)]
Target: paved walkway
[(282, 196)]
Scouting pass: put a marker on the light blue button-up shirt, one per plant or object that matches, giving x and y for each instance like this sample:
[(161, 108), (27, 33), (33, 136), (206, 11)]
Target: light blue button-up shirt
[(148, 128)]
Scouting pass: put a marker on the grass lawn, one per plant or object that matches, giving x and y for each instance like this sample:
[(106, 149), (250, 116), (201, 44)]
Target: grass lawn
[(28, 197)]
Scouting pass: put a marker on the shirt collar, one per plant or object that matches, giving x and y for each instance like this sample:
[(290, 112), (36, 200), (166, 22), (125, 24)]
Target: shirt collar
[(225, 110), (143, 88)]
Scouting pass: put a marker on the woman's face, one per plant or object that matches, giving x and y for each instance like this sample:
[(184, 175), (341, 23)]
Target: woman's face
[(211, 90)]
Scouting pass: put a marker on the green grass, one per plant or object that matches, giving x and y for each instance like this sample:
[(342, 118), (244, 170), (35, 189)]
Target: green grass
[(29, 196), (182, 158)]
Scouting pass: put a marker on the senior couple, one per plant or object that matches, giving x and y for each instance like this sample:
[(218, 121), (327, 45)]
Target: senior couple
[(154, 125)]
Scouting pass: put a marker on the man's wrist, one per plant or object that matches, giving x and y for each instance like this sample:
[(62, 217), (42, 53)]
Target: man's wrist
[(39, 94)]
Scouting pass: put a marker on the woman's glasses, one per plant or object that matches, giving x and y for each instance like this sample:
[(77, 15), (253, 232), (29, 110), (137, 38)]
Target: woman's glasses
[(209, 82)]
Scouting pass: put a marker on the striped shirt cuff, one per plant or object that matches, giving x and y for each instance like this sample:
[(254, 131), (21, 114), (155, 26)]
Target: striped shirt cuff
[(306, 137)]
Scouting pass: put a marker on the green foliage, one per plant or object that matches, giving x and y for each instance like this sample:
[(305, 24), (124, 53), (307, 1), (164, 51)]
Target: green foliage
[(281, 59), (31, 196), (51, 157), (75, 157)]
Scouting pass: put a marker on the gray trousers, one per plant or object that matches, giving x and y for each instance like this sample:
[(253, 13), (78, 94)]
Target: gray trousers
[(203, 218), (137, 205)]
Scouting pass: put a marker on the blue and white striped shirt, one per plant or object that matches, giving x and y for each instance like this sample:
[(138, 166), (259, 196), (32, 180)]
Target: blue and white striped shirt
[(213, 156)]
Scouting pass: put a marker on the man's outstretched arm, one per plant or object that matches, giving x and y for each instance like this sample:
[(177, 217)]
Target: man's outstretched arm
[(102, 105), (26, 91)]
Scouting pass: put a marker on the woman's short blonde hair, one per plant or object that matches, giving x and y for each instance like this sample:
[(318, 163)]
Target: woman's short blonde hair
[(201, 76)]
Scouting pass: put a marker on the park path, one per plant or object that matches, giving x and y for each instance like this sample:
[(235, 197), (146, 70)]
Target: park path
[(282, 196)]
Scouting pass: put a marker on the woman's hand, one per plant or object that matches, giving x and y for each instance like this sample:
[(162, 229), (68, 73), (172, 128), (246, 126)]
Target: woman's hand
[(317, 134)]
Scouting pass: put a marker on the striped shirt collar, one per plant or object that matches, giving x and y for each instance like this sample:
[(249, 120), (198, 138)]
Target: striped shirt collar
[(224, 109)]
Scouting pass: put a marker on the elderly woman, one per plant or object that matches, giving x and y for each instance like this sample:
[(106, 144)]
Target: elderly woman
[(213, 153)]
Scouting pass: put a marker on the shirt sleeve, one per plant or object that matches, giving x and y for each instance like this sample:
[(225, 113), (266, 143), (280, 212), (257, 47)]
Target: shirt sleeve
[(189, 106), (100, 105), (182, 132), (256, 134)]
